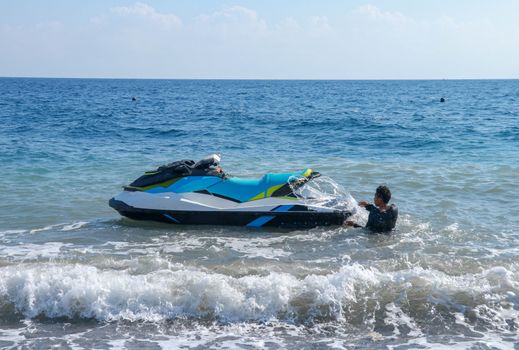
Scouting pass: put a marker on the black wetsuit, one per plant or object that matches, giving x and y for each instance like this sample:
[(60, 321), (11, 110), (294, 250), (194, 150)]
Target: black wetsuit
[(381, 221)]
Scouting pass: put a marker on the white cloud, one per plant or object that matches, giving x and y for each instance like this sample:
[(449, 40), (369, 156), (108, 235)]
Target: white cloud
[(290, 24), (233, 11), (238, 42), (166, 20), (235, 16), (375, 13), (319, 24)]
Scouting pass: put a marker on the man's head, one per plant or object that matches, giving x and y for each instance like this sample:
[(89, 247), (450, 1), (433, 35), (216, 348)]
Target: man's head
[(382, 195)]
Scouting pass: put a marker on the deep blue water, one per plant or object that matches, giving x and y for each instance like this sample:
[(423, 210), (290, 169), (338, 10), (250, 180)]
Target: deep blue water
[(379, 120), (68, 145)]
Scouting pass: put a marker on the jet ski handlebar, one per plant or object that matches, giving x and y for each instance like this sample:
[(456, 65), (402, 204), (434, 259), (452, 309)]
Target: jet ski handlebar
[(212, 160)]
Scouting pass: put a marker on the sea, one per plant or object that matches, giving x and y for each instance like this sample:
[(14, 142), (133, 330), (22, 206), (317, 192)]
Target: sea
[(74, 274)]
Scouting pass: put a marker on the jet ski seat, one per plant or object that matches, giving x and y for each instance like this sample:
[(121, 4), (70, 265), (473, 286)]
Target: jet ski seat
[(234, 188), (245, 190)]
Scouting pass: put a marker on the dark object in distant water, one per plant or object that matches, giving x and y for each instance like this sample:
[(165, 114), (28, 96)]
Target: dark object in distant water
[(134, 98), (442, 99)]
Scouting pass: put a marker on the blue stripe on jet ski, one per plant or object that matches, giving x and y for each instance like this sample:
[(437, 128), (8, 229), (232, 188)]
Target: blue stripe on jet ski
[(283, 208), (171, 218), (262, 220)]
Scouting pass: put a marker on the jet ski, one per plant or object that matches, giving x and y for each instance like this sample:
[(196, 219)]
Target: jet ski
[(189, 193)]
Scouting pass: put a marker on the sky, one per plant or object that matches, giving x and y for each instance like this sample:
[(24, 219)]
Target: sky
[(260, 39)]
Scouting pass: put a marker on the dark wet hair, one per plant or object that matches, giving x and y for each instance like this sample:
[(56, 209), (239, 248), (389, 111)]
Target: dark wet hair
[(384, 193)]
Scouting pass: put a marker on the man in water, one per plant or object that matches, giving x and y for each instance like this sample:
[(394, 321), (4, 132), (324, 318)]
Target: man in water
[(382, 217)]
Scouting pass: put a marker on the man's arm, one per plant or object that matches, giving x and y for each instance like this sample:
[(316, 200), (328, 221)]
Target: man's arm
[(365, 205), (354, 224), (369, 207)]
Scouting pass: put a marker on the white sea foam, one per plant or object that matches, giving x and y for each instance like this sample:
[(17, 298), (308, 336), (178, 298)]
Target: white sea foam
[(7, 235), (14, 335), (28, 251), (46, 228), (84, 291), (396, 317), (249, 246), (11, 232), (228, 336), (60, 226), (74, 226), (255, 247)]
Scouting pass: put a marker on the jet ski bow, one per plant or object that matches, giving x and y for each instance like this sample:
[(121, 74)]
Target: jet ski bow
[(185, 192)]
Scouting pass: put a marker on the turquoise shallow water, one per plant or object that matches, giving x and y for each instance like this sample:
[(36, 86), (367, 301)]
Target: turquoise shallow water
[(73, 273)]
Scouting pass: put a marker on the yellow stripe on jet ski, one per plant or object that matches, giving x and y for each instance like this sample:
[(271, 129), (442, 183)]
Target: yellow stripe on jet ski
[(260, 195), (291, 198), (162, 184), (274, 188)]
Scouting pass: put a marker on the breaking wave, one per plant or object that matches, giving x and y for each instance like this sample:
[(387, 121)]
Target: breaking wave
[(402, 300)]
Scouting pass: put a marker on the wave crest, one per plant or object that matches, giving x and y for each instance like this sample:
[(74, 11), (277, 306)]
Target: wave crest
[(78, 291)]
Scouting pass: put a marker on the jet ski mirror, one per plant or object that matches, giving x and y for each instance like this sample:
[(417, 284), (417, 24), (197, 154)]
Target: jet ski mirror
[(212, 160)]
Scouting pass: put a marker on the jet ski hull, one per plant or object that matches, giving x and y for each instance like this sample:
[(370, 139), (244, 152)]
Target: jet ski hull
[(289, 216)]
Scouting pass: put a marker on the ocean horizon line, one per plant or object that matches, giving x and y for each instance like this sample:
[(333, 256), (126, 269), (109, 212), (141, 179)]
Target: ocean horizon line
[(260, 79)]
